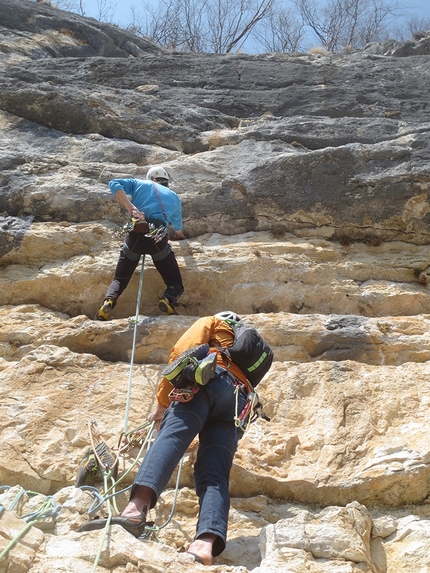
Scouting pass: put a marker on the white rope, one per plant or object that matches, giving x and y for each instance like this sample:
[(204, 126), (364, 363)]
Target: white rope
[(136, 320)]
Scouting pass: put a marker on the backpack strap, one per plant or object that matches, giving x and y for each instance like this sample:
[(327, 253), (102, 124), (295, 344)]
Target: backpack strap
[(226, 358), (160, 201)]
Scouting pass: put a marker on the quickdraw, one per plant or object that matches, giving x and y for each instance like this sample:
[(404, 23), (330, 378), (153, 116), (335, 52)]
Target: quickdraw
[(183, 394), (156, 233), (120, 233), (252, 410)]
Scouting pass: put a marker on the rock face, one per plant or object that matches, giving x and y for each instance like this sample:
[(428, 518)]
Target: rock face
[(305, 185)]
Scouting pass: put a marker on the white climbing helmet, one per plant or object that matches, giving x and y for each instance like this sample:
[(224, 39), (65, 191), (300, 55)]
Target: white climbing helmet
[(229, 316), (156, 172)]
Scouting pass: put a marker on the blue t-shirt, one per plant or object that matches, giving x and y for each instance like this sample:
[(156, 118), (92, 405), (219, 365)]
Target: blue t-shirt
[(144, 197)]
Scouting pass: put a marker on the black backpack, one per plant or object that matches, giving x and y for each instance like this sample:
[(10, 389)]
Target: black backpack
[(250, 352)]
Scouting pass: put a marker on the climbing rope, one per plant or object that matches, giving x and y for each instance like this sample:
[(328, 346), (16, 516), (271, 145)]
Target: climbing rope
[(108, 462), (136, 321), (153, 529), (48, 508), (101, 499), (132, 438), (102, 541)]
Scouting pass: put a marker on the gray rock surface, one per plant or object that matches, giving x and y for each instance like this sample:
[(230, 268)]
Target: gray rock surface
[(336, 144), (37, 31)]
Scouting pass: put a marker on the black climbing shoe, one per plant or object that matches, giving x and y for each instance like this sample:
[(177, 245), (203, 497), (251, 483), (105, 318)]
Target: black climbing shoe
[(104, 310), (89, 469), (166, 306), (134, 525)]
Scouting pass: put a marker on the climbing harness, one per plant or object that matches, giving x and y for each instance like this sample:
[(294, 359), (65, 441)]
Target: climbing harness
[(151, 230), (154, 232)]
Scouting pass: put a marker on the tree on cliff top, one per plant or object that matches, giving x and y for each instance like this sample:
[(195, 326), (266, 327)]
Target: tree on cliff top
[(214, 26), (347, 23), (223, 26)]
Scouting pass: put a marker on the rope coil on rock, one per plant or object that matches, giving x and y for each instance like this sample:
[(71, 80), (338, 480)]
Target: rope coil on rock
[(48, 508)]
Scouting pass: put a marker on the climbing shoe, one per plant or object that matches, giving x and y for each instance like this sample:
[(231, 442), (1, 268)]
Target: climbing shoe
[(205, 371), (107, 458), (190, 356), (134, 524), (104, 310), (166, 306), (89, 469)]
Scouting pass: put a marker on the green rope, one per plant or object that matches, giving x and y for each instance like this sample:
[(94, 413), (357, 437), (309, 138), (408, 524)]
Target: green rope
[(105, 530), (18, 496), (15, 540), (175, 496), (124, 475), (47, 509), (153, 530)]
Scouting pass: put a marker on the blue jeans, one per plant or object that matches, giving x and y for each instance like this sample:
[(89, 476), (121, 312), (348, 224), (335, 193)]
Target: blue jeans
[(210, 414)]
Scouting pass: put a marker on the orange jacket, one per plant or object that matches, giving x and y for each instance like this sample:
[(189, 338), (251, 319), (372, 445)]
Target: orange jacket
[(208, 329)]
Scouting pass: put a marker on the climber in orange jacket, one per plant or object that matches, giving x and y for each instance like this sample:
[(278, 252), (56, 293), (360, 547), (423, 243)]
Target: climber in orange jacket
[(211, 413)]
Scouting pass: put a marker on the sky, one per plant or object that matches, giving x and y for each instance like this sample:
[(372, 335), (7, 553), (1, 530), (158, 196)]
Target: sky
[(122, 12)]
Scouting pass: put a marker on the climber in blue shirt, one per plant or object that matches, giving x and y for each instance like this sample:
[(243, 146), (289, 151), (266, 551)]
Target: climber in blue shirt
[(164, 206), (153, 206)]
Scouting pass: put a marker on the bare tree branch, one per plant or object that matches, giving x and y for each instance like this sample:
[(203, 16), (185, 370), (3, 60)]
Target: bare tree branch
[(281, 31), (341, 23), (221, 26), (105, 10), (216, 26), (412, 27), (258, 14)]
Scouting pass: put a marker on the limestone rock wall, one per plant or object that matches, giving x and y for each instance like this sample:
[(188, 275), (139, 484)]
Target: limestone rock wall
[(305, 188)]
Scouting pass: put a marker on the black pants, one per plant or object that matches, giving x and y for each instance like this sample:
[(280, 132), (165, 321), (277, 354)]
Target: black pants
[(136, 244)]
